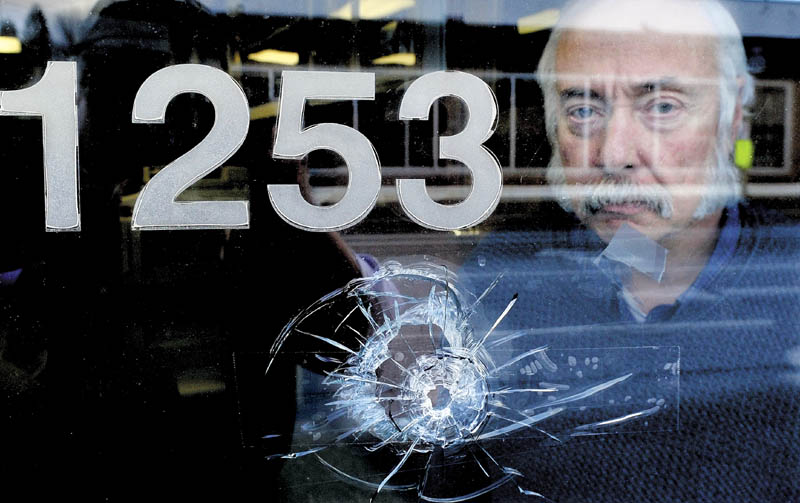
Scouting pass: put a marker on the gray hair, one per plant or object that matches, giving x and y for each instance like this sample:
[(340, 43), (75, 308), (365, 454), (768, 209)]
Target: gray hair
[(735, 86)]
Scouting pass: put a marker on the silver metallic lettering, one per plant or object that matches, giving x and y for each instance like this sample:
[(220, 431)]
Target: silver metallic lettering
[(53, 98), (294, 142), (156, 207), (466, 147)]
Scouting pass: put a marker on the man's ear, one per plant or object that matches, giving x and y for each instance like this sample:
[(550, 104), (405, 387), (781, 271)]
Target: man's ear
[(738, 113)]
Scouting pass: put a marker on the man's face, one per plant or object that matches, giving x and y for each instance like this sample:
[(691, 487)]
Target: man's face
[(638, 110)]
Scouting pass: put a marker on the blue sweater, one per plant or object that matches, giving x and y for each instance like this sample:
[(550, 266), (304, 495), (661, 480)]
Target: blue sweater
[(739, 404)]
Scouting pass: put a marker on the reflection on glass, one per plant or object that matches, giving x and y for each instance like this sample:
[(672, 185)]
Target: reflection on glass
[(140, 356), (421, 389)]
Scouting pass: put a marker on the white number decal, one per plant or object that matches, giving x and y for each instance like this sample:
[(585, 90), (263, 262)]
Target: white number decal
[(54, 99), (293, 142), (466, 147), (156, 207)]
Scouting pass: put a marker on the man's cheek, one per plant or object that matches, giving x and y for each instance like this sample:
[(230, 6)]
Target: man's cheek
[(684, 161), (574, 151), (573, 157)]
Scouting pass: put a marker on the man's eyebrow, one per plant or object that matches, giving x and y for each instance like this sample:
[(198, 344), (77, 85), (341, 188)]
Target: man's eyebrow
[(580, 92), (663, 84)]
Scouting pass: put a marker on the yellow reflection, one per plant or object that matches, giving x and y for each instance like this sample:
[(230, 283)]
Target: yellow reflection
[(372, 9), (401, 58), (275, 56), (743, 154), (189, 386), (264, 111), (10, 45), (542, 20), (467, 232)]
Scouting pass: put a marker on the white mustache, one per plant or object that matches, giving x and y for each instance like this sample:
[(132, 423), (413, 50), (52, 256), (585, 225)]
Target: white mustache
[(611, 191)]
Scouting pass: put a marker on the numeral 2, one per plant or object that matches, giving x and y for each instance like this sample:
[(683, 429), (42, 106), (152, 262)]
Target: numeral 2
[(156, 207)]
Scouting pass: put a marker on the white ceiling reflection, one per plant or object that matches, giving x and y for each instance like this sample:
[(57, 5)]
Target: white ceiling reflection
[(773, 18)]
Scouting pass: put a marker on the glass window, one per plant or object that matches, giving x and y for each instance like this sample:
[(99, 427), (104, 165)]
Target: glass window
[(401, 250)]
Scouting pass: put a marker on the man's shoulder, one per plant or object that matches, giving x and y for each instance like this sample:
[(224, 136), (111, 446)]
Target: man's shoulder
[(767, 234), (536, 252), (765, 267), (551, 272)]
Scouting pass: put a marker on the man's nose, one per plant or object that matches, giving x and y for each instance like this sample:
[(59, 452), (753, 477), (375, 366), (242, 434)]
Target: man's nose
[(619, 144)]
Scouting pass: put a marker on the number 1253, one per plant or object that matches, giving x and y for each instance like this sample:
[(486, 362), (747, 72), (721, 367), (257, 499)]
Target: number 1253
[(54, 99)]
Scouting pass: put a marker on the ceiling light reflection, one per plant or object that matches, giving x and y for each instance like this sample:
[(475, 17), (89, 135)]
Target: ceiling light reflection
[(542, 20), (400, 58), (275, 57), (10, 45), (372, 9)]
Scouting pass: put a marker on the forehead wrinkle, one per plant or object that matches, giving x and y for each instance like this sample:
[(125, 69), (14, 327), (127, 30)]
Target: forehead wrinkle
[(598, 54), (598, 87), (667, 81)]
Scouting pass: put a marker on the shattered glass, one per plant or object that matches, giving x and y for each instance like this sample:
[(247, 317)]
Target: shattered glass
[(401, 377)]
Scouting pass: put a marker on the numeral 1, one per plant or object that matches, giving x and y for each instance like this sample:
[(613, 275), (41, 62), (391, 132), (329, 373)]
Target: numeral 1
[(54, 99)]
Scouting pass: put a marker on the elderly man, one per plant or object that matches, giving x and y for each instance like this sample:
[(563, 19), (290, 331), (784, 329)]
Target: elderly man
[(644, 101)]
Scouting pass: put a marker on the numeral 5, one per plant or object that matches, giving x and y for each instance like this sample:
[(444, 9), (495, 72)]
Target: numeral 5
[(293, 142)]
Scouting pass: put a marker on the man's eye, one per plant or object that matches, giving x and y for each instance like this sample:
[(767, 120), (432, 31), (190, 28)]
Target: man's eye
[(663, 109), (582, 113)]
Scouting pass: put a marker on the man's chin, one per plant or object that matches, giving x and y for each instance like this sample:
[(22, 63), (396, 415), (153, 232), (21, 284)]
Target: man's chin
[(607, 221)]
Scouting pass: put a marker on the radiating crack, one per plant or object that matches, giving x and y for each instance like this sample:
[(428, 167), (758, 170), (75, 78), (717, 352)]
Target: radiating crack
[(403, 369)]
